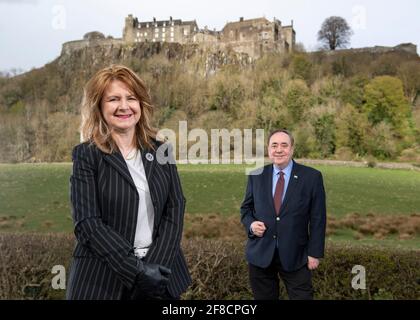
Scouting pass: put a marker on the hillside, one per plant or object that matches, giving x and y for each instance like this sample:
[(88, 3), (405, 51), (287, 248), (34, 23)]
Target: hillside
[(347, 105)]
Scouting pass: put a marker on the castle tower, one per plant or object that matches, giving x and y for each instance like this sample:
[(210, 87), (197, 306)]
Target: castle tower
[(289, 36), (128, 31)]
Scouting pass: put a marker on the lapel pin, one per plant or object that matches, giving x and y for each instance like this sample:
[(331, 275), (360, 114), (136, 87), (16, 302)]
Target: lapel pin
[(149, 156), (295, 176)]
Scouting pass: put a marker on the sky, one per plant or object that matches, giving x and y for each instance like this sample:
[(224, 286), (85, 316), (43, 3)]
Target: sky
[(32, 31)]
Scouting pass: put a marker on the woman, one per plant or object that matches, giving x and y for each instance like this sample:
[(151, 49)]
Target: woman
[(127, 207)]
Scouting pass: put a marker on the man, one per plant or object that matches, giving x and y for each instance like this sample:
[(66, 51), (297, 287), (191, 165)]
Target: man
[(284, 214)]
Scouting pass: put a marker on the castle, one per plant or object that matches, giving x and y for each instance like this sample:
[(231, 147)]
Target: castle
[(253, 36)]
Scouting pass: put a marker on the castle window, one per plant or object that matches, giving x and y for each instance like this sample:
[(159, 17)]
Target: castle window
[(172, 28), (156, 35), (163, 29), (138, 34), (154, 40), (147, 25), (164, 24), (145, 34), (185, 32), (173, 23), (172, 34)]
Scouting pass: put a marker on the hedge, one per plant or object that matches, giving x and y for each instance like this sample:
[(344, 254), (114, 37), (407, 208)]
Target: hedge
[(218, 269)]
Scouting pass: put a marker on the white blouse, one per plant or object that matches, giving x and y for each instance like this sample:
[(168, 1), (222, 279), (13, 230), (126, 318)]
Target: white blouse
[(145, 217)]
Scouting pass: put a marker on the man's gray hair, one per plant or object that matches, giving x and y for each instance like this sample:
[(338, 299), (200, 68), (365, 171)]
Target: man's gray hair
[(292, 140)]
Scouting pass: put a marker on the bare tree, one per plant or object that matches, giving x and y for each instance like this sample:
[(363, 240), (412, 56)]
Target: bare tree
[(335, 33)]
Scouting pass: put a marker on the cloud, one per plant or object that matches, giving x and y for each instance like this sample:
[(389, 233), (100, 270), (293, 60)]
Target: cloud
[(20, 1)]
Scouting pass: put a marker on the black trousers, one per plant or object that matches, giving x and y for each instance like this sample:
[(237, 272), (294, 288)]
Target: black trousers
[(265, 281)]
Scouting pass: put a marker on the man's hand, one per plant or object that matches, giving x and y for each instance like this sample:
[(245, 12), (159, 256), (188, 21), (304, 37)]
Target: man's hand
[(258, 228), (313, 263)]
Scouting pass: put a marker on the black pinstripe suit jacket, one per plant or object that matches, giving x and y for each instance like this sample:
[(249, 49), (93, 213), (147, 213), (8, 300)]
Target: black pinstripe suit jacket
[(105, 203)]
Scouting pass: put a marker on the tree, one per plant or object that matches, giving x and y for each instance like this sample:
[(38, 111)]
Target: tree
[(335, 33), (385, 101), (302, 68), (409, 73), (297, 99), (325, 134)]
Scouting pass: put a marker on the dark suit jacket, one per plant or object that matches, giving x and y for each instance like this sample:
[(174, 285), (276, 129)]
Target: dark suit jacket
[(300, 229), (105, 202)]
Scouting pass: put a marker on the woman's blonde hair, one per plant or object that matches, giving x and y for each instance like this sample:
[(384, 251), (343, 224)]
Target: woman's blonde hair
[(95, 129)]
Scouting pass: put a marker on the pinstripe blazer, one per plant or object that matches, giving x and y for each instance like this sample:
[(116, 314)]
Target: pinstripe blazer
[(105, 203)]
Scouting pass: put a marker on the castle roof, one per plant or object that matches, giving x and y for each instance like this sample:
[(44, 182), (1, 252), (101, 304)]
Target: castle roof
[(207, 31), (167, 23)]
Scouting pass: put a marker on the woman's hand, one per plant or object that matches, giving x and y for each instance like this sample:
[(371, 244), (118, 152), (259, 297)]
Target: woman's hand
[(151, 281)]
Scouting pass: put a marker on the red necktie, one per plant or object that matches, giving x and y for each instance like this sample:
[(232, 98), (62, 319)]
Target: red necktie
[(278, 193)]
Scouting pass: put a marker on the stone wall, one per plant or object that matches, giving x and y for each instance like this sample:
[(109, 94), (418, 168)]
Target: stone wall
[(71, 46), (403, 47)]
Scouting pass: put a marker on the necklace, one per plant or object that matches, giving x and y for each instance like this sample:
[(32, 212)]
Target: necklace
[(129, 156)]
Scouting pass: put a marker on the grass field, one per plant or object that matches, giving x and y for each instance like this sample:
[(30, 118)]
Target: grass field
[(35, 197)]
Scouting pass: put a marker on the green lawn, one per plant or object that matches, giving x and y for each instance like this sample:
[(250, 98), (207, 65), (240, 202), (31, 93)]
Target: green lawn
[(35, 197), (220, 189)]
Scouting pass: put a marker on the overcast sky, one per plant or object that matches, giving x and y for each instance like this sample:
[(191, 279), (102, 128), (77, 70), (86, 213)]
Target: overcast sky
[(32, 31)]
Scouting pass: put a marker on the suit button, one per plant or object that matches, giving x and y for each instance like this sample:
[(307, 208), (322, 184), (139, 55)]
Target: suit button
[(278, 218), (274, 237)]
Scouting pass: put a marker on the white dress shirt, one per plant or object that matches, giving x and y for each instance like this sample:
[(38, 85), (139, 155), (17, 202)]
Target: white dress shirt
[(145, 217)]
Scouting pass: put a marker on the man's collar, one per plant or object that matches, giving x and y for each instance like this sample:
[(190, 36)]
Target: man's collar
[(286, 170)]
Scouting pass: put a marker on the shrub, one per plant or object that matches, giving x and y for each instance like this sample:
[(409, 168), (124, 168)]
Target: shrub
[(218, 269)]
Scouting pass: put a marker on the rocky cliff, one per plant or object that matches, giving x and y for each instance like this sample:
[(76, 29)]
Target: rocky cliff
[(86, 55)]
